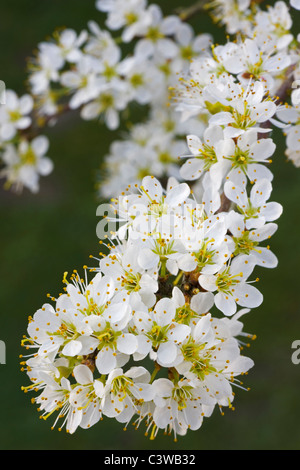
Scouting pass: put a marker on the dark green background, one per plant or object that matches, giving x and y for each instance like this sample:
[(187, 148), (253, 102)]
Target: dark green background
[(43, 236)]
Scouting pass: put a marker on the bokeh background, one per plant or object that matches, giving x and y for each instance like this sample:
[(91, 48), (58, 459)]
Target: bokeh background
[(43, 236)]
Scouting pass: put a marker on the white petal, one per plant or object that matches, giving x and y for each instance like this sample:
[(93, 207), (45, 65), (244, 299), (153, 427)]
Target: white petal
[(167, 353), (105, 361), (248, 296), (127, 343), (83, 375), (178, 194), (202, 302), (72, 349), (225, 303)]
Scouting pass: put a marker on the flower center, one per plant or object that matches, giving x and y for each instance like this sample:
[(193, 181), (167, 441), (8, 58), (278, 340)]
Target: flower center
[(204, 256), (130, 18), (121, 387), (158, 334), (243, 244), (225, 282), (137, 80), (154, 34), (185, 314), (131, 282), (181, 395), (29, 157), (108, 337)]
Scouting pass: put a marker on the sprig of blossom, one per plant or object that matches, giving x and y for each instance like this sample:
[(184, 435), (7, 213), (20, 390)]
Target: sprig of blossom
[(152, 298), (179, 263)]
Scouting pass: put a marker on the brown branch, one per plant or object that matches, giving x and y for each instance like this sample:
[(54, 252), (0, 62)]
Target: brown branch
[(225, 204)]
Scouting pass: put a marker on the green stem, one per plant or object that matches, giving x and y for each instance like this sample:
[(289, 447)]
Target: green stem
[(157, 368), (178, 278), (187, 13), (163, 269)]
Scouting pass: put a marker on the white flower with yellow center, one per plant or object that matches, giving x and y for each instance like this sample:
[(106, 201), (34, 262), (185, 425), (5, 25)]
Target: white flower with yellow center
[(86, 396), (14, 114), (255, 209), (126, 392), (130, 279), (24, 165), (232, 287), (160, 333), (205, 155), (178, 407), (238, 109), (211, 359), (130, 15)]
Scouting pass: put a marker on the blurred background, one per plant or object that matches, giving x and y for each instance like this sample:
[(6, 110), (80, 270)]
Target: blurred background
[(43, 236)]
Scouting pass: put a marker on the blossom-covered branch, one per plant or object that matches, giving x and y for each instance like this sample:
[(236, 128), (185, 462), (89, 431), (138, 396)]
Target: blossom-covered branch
[(177, 274)]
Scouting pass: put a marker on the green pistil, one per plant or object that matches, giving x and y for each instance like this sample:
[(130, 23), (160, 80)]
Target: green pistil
[(137, 80), (255, 70), (29, 157), (163, 248), (185, 314), (158, 334), (166, 158), (106, 101), (241, 159), (244, 245), (154, 34), (131, 18), (181, 395), (108, 337), (67, 331), (191, 350), (158, 209), (93, 308), (121, 386), (109, 72), (220, 70), (208, 155), (204, 256), (242, 121), (15, 116), (131, 282), (225, 281), (202, 368), (250, 213), (187, 52)]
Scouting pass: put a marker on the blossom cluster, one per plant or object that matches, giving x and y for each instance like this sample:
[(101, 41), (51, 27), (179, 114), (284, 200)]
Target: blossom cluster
[(150, 300), (153, 334), (247, 17), (24, 160), (89, 72), (269, 53)]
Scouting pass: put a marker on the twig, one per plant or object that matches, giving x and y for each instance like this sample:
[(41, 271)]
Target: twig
[(188, 13)]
